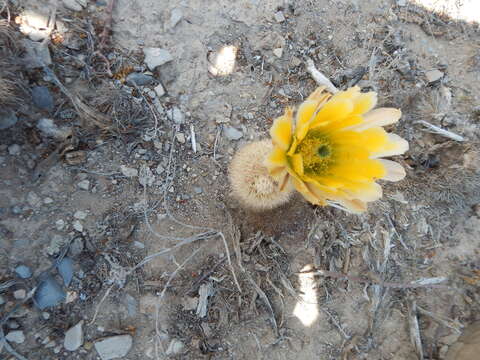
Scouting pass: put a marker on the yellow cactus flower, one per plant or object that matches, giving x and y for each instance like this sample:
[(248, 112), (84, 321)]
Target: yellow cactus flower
[(332, 151)]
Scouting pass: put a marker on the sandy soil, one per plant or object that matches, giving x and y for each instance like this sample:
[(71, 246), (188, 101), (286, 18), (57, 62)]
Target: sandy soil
[(258, 305)]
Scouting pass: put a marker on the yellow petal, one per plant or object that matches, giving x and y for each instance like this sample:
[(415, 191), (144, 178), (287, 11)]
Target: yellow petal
[(281, 130), (297, 164), (353, 206), (317, 95), (364, 102), (333, 110), (365, 192), (378, 117), (394, 171), (304, 116), (306, 193), (359, 170), (394, 146)]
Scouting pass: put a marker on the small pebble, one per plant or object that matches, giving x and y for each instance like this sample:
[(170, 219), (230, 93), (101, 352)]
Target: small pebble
[(128, 172), (176, 115), (15, 336), (84, 185), (278, 52), (114, 346), (8, 118), (45, 315), (180, 137), (59, 224), (175, 347), (23, 271), (42, 98), (77, 225), (198, 190), (20, 294), (175, 17), (233, 134), (159, 90), (139, 79), (433, 75), (156, 57), (47, 200), (79, 214), (14, 149), (139, 244), (279, 17)]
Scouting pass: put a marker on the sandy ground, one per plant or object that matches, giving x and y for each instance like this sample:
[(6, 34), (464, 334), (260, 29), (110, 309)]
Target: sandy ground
[(232, 288)]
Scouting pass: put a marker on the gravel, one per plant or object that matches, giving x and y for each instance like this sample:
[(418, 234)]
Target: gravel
[(48, 128), (176, 115), (84, 185), (114, 347), (80, 215), (175, 347), (156, 57), (279, 17), (159, 90), (7, 119), (74, 337)]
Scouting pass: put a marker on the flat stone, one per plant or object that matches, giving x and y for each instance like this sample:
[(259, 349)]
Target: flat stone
[(42, 98), (114, 347), (278, 52), (15, 336), (74, 337), (156, 57), (65, 269), (159, 90), (128, 172), (23, 271), (175, 16), (279, 17), (80, 215), (76, 247), (48, 200), (176, 115), (84, 185), (8, 118), (139, 79), (14, 149), (433, 75), (233, 134)]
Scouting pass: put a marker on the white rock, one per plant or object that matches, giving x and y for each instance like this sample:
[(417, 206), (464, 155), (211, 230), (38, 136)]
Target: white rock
[(433, 75), (175, 347), (19, 294), (114, 347), (59, 224), (84, 185), (15, 336), (180, 137), (14, 149), (49, 128), (278, 52), (74, 337), (77, 225), (402, 2), (279, 17), (72, 5), (159, 169), (159, 90), (128, 172), (47, 200), (80, 215), (155, 57)]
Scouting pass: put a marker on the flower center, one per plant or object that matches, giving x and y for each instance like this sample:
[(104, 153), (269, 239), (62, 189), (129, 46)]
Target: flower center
[(317, 153)]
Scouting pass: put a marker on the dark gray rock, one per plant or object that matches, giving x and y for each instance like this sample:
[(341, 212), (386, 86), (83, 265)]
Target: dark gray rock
[(42, 98), (7, 119)]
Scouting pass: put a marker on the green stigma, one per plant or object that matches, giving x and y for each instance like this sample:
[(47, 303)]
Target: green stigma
[(316, 151)]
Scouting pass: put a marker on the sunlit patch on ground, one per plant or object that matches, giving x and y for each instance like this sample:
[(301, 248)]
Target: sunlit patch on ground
[(306, 309), (223, 62), (467, 10)]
